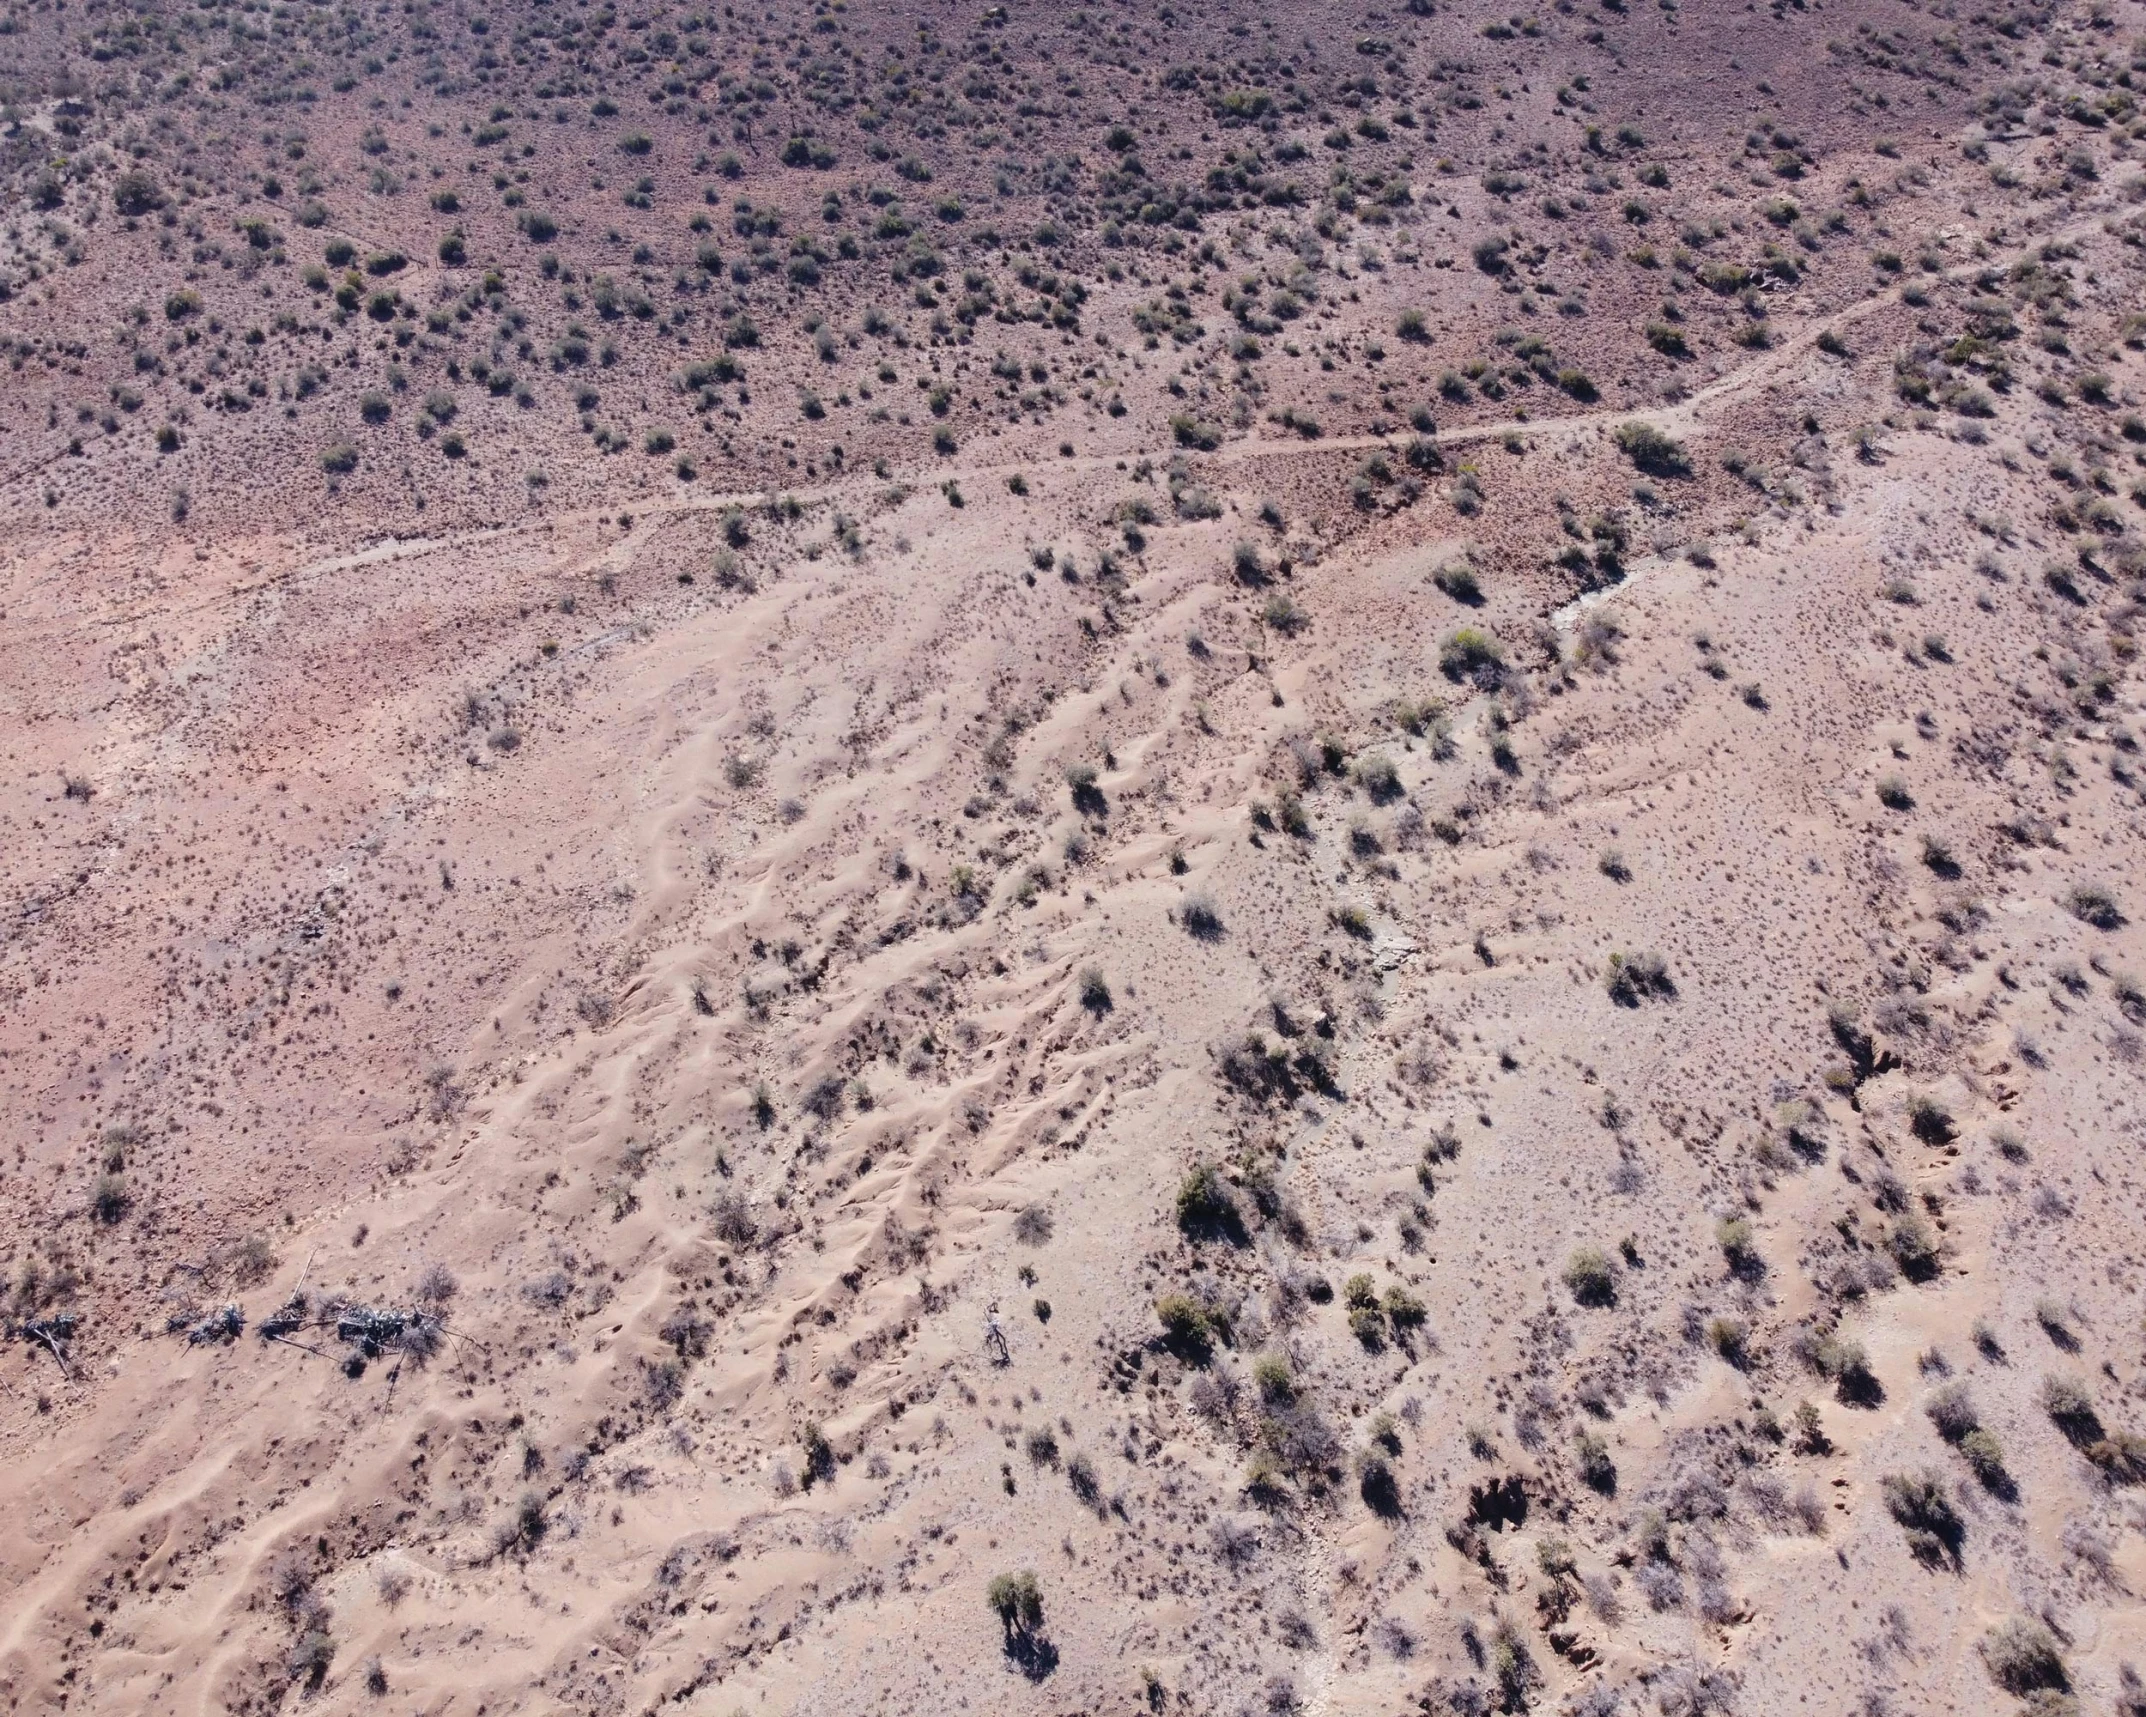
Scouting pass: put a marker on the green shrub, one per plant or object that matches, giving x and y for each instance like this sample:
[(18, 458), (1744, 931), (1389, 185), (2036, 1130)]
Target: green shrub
[(2021, 1656), (1848, 1365), (2094, 903), (1591, 1277), (1984, 1456), (109, 1199), (1914, 1247), (1952, 1411), (1668, 339), (1017, 1600), (136, 193), (1283, 615), (1377, 1485), (310, 1657), (1187, 1330), (2121, 1456), (1377, 776), (1597, 1471), (1205, 1208), (1739, 1245), (1458, 580), (1933, 1526), (2070, 1406), (1189, 431), (1469, 650), (1632, 978), (1095, 990), (529, 1522), (1422, 452), (1652, 451), (1201, 918)]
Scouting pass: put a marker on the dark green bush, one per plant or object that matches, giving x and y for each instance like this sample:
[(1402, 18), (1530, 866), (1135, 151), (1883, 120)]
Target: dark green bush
[(1933, 1526), (1204, 1204), (1591, 1277), (1652, 451)]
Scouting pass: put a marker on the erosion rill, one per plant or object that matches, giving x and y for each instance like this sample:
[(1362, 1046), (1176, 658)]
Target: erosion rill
[(1055, 858)]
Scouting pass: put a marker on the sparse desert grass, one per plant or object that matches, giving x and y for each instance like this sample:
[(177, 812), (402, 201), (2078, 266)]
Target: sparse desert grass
[(582, 301)]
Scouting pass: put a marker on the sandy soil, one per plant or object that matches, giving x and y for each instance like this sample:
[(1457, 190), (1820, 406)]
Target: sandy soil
[(1489, 1063)]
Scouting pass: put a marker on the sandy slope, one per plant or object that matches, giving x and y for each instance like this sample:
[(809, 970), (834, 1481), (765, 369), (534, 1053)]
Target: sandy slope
[(483, 952)]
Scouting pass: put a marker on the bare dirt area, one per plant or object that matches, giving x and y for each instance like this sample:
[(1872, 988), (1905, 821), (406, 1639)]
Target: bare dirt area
[(1070, 859)]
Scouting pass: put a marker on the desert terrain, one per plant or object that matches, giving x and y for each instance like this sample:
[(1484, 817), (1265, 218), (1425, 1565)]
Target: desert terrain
[(1072, 858)]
